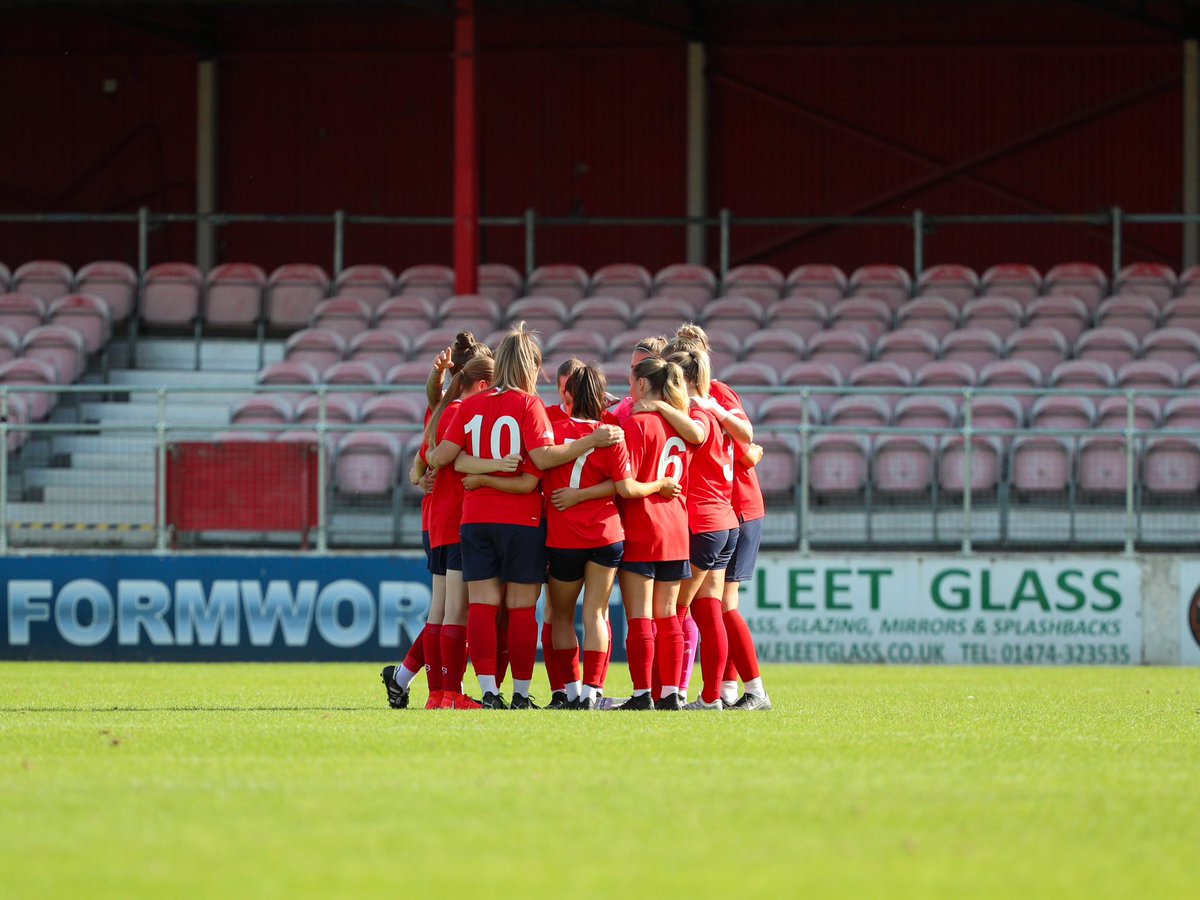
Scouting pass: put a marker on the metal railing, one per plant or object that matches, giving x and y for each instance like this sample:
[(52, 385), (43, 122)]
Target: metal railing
[(162, 430)]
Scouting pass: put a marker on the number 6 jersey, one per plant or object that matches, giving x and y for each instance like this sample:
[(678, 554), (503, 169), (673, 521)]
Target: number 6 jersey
[(593, 523), (656, 529)]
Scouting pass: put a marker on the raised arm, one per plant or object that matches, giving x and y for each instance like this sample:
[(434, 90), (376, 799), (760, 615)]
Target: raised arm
[(437, 376)]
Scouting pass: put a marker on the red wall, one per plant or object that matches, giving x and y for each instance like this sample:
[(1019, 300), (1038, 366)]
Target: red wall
[(816, 109)]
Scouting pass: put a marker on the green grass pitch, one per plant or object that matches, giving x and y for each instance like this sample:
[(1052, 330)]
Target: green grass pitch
[(297, 780)]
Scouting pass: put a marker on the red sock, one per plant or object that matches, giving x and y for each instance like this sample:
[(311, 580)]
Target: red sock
[(607, 655), (433, 656), (522, 642), (593, 668), (730, 667), (668, 650), (415, 660), (550, 659), (655, 679), (714, 645), (568, 664), (741, 645), (501, 646), (454, 657), (481, 632), (639, 647)]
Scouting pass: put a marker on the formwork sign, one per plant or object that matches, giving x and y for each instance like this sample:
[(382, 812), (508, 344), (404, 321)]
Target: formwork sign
[(1036, 611)]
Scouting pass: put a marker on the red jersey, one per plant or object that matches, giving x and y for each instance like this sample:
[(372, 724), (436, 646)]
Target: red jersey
[(446, 511), (656, 529), (556, 414), (492, 425), (593, 523), (710, 478), (747, 495), (426, 499)]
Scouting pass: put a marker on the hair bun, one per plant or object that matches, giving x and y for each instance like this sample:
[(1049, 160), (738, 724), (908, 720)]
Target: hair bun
[(464, 340)]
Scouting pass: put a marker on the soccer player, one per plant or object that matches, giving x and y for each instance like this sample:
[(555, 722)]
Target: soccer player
[(656, 537), (645, 349), (502, 534)]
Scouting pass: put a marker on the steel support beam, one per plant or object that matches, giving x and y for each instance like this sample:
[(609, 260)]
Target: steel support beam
[(206, 162), (697, 151), (466, 152)]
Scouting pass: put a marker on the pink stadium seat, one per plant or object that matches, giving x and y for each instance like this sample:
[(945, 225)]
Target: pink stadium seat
[(414, 373), (358, 374), (616, 373), (367, 463), (1065, 314), (977, 347), (263, 409), (1079, 279), (950, 280), (294, 374), (776, 348), (547, 315), (1102, 465), (171, 294), (87, 314), (1150, 374), (345, 314), (500, 282), (115, 282), (1111, 346), (881, 374), (568, 283), (427, 346), (1112, 413), (1172, 466), (724, 349), (824, 283), (434, 283), (18, 414), (662, 315), (997, 412), (380, 347), (902, 464), (5, 278), (1182, 312), (409, 314), (933, 314), (1013, 374), (892, 284), (59, 345), (1137, 315), (234, 295), (987, 455), (1042, 464), (579, 343), (339, 410), (21, 312), (1177, 347), (1016, 280), (1044, 347), (1001, 315), (735, 314), (1189, 281), (693, 284), (1082, 374), (749, 374), (319, 348), (860, 411), (1181, 413), (921, 412), (626, 281), (945, 373), (1063, 412), (370, 283), (1190, 379), (866, 314), (814, 374), (779, 469), (1153, 280), (470, 312), (846, 350), (909, 348), (787, 409), (45, 278), (762, 284), (32, 372), (620, 348), (293, 292), (801, 315), (606, 316), (393, 409), (10, 344), (838, 465)]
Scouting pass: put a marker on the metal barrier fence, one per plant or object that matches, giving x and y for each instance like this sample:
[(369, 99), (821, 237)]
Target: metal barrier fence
[(1127, 522)]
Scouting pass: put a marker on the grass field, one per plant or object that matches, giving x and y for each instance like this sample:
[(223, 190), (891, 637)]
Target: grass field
[(266, 780)]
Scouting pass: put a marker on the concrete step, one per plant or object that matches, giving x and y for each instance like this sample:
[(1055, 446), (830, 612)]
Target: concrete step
[(216, 354), (98, 494), (88, 513), (176, 413), (156, 378), (141, 478), (121, 539), (103, 443), (143, 462)]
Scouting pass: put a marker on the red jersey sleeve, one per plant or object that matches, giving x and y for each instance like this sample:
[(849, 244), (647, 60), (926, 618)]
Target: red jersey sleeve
[(634, 443), (536, 430), (454, 432), (619, 468)]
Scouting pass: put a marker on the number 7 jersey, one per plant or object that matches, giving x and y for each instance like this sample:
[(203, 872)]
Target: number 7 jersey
[(656, 529), (592, 523)]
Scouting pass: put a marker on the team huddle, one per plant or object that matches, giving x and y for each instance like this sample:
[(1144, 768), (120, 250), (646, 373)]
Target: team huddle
[(657, 493)]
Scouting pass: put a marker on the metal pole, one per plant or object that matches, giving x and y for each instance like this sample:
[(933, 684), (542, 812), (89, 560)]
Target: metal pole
[(143, 263), (466, 152), (1117, 237), (530, 241), (339, 242), (160, 483), (3, 469), (322, 464), (968, 442), (918, 227), (802, 498), (1191, 150), (1130, 471), (725, 238), (206, 162), (697, 151)]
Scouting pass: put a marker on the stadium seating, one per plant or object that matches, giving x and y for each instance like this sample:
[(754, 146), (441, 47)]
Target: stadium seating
[(432, 282), (293, 292), (625, 281), (234, 296), (826, 284), (568, 283), (171, 295), (694, 285), (762, 284), (114, 282), (44, 278), (370, 283)]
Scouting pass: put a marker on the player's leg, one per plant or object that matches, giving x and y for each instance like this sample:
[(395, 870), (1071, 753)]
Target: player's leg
[(562, 651), (433, 635), (454, 635), (396, 679), (637, 594), (481, 571), (668, 638), (742, 654), (599, 575), (523, 571)]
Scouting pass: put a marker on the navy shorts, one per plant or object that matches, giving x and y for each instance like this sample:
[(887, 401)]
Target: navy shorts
[(428, 550), (712, 550), (512, 553), (745, 554), (569, 564), (671, 570), (447, 556)]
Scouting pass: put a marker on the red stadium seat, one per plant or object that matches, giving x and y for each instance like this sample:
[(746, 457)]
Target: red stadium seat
[(393, 409), (881, 374), (1182, 312), (414, 373), (606, 316), (568, 283), (1044, 347), (892, 284), (902, 464), (293, 292), (1063, 412), (987, 464), (787, 409), (1181, 413), (1172, 467), (32, 372), (920, 412), (367, 463), (340, 409), (860, 411), (10, 344), (1016, 280), (410, 314), (500, 282), (735, 314), (1042, 464), (779, 468), (1013, 374), (1137, 315), (845, 350), (838, 464), (380, 347), (996, 412), (1082, 374), (370, 283), (345, 314), (762, 284), (866, 314), (87, 314), (801, 315), (263, 409), (547, 315), (909, 348), (814, 374), (114, 282), (1083, 280), (1102, 466), (1112, 413), (1001, 315), (171, 294), (977, 347), (626, 281), (662, 315), (749, 374), (434, 283), (48, 279), (950, 280), (1066, 315), (1153, 280), (21, 312), (586, 346), (778, 349), (1177, 347), (933, 314), (360, 374), (59, 345), (945, 373), (1151, 374), (826, 284), (695, 285), (234, 295), (315, 346), (1112, 346), (470, 312)]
